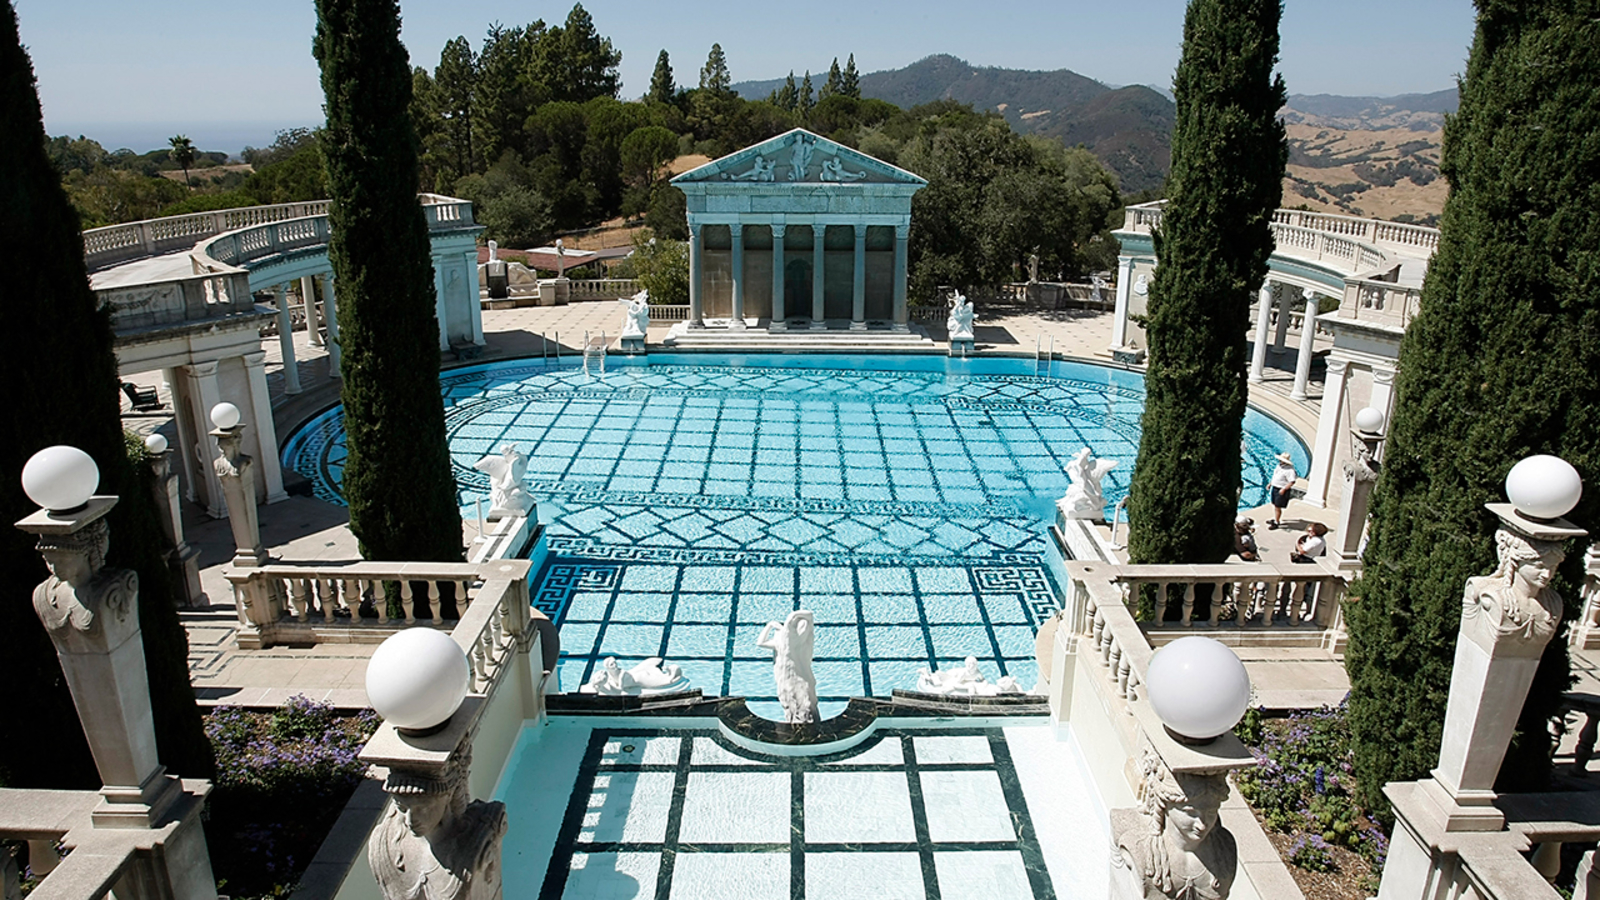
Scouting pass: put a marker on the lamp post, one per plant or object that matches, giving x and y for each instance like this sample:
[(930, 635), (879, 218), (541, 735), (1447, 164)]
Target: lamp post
[(92, 617), (235, 469), (417, 680), (1360, 474)]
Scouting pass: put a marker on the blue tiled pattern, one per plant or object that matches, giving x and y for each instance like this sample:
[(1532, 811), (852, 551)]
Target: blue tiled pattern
[(686, 505)]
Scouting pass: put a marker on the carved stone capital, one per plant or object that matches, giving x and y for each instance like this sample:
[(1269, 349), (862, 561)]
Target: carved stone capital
[(1513, 611), (1172, 846), (433, 843)]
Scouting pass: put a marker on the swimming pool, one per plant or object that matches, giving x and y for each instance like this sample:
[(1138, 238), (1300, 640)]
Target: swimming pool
[(688, 500)]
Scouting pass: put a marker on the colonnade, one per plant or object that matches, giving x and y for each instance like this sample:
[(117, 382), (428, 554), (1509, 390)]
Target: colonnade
[(1283, 296), (779, 226)]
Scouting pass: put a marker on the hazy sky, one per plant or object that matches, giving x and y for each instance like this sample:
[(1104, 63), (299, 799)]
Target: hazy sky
[(229, 74)]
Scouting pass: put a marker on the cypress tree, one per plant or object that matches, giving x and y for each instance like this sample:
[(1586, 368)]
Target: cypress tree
[(62, 389), (1499, 363), (397, 479), (1228, 155)]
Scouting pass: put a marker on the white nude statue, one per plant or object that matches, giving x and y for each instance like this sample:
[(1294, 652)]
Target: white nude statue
[(646, 678), (961, 316), (636, 319), (967, 681), (507, 497), (1172, 847), (792, 643), (1084, 499)]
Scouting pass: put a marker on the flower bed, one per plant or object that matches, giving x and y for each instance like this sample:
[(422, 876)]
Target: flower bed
[(1301, 792), (282, 779)]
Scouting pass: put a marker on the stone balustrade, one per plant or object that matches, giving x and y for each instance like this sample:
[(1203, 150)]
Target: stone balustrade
[(491, 628), (603, 289), (350, 602), (255, 242), (1382, 303), (211, 292), (1106, 630), (1260, 592)]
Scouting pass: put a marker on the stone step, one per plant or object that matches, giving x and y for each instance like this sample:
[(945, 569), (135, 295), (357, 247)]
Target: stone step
[(831, 339)]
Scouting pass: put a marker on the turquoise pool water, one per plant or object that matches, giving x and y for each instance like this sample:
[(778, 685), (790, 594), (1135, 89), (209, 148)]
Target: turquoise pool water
[(688, 500)]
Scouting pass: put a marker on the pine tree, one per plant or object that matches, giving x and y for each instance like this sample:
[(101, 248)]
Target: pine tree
[(63, 390), (506, 94), (456, 87), (714, 74), (397, 478), (1500, 363), (850, 82), (662, 87), (788, 96), (1228, 155), (835, 82), (572, 62), (805, 102)]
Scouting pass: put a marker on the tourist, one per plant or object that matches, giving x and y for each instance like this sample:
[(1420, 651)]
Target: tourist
[(1311, 544), (1282, 481), (1244, 541)]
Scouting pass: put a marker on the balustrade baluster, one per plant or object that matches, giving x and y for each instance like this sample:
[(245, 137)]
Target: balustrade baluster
[(433, 602), (380, 602), (330, 598), (1244, 601), (1124, 670), (463, 600), (1161, 603), (406, 604), (300, 597), (1188, 603), (1113, 660), (480, 673)]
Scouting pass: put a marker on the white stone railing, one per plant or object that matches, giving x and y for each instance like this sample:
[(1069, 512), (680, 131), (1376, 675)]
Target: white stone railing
[(1380, 302), (602, 289), (669, 313), (247, 245), (212, 292), (103, 247), (1260, 592), (1351, 244), (310, 603)]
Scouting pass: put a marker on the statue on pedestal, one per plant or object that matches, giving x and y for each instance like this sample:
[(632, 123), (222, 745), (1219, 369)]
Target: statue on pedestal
[(636, 319), (507, 496), (792, 643), (1516, 602), (1171, 847), (82, 605), (961, 316), (432, 843), (1084, 498)]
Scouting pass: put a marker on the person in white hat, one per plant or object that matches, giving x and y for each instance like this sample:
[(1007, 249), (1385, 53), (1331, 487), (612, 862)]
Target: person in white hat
[(1282, 480)]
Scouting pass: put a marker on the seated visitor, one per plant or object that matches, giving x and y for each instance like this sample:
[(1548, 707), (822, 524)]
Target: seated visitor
[(1311, 544), (1244, 541)]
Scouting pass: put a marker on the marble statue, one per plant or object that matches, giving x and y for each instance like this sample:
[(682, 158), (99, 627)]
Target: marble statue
[(494, 251), (1096, 285), (966, 681), (800, 161), (1172, 847), (81, 605), (961, 316), (507, 496), (1084, 499), (1141, 285), (636, 321), (834, 170), (760, 171), (646, 678), (792, 643), (1516, 603), (432, 843)]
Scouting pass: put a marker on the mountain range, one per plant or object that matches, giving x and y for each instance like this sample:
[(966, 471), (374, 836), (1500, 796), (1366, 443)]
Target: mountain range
[(1358, 155)]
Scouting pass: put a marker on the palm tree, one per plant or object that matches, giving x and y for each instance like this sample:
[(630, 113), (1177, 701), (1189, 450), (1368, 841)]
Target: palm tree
[(182, 153)]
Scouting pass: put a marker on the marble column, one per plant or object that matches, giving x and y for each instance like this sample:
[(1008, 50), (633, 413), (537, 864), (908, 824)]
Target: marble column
[(308, 294), (258, 410), (818, 321), (858, 291), (439, 304), (736, 230), (204, 394), (1281, 335), (777, 323), (1326, 445), (696, 273), (183, 417), (1119, 319), (1383, 394), (291, 369), (1308, 337), (902, 317), (1258, 354), (331, 307), (469, 271)]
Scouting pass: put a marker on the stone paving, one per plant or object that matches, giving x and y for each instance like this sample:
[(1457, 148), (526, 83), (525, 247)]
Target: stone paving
[(302, 528)]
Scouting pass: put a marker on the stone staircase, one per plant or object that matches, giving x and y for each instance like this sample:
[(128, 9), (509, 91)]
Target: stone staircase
[(836, 338)]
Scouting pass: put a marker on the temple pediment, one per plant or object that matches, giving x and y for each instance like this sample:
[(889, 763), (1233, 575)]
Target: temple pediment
[(798, 157)]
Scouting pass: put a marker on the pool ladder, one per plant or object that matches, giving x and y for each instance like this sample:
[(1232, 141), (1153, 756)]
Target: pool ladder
[(545, 347), (594, 352), (1042, 356)]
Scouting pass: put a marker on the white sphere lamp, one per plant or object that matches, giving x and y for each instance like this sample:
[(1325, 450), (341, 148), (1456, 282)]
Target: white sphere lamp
[(60, 478), (1544, 487), (1370, 421), (224, 415), (1199, 688), (417, 679), (155, 444)]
